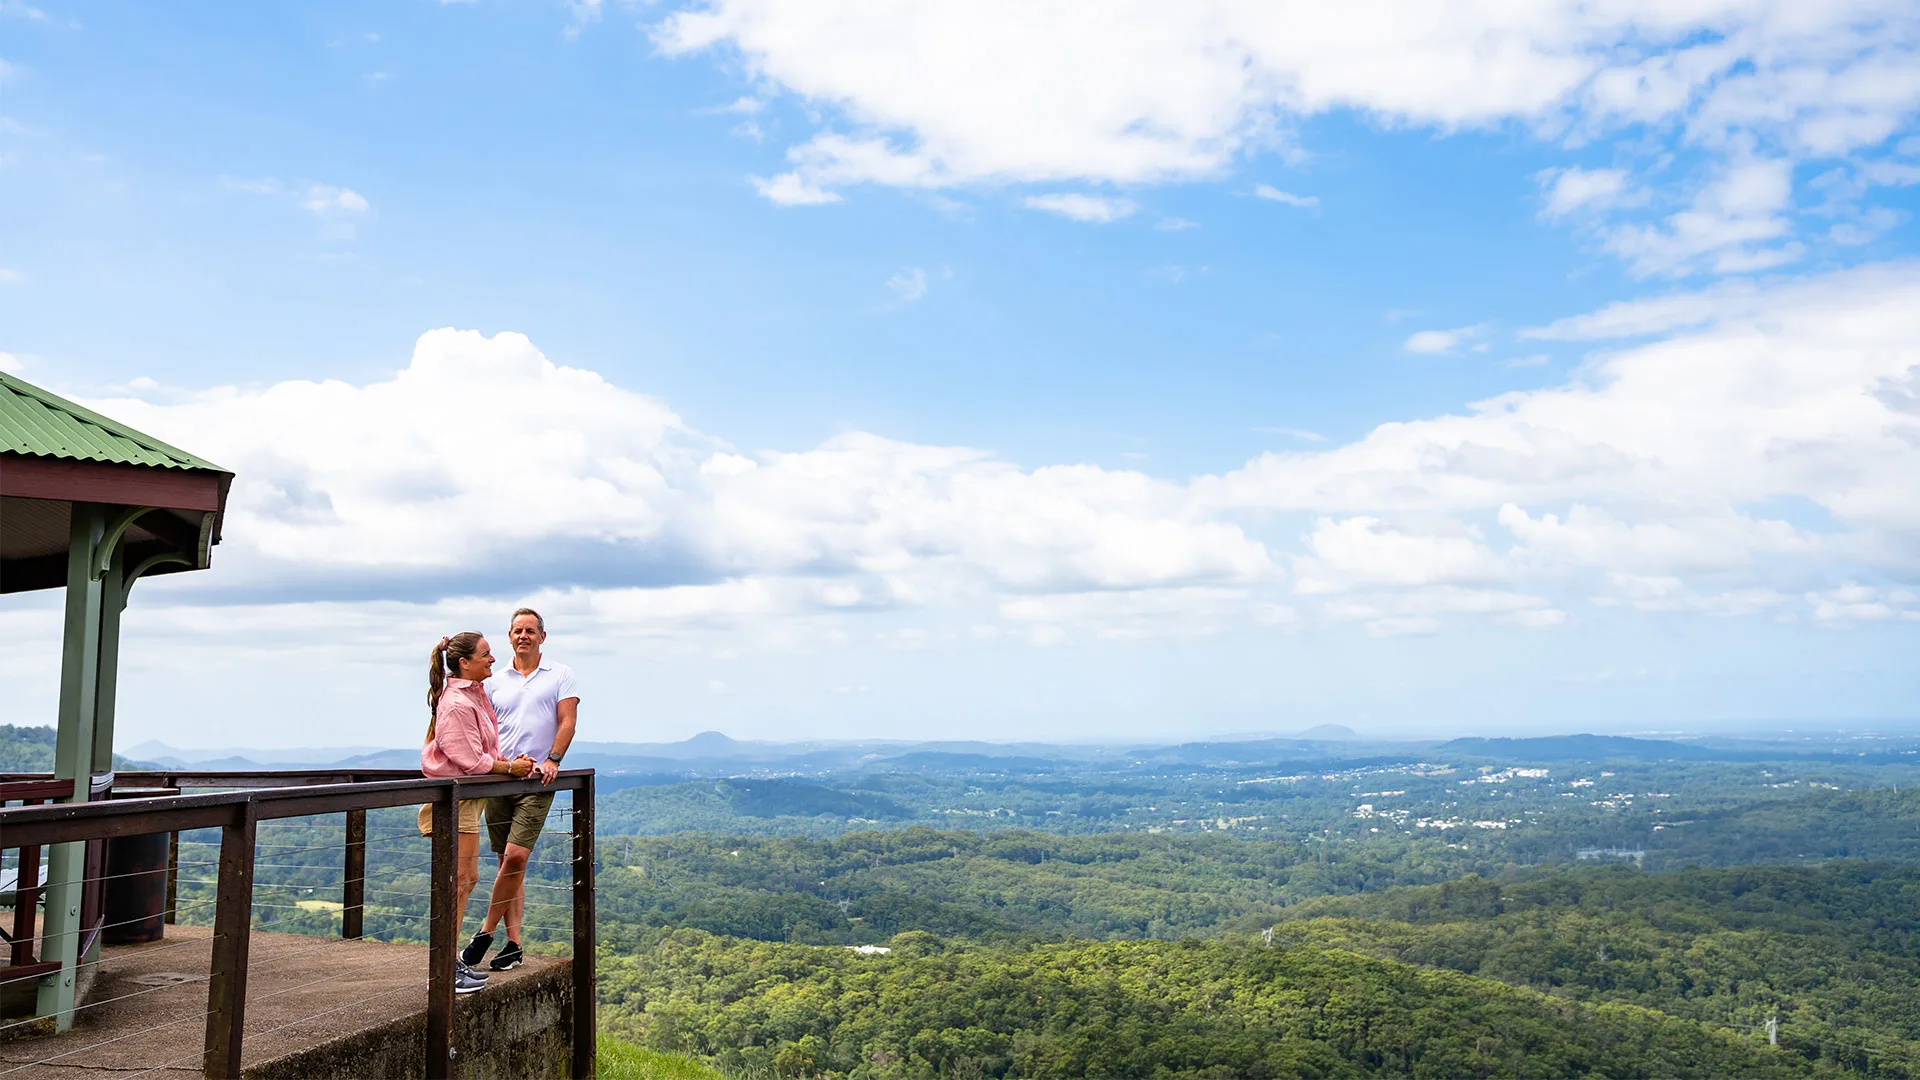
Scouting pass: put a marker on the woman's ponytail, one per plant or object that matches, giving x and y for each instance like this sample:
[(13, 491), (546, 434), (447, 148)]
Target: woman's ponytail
[(443, 662)]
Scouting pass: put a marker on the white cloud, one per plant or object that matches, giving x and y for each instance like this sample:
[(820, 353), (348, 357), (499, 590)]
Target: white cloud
[(12, 364), (1004, 92), (1766, 447), (328, 199), (1360, 552), (1737, 224), (1175, 224), (1854, 602), (788, 189), (1671, 594), (1274, 194), (1435, 342), (1683, 543), (908, 285), (10, 276), (1574, 189), (1097, 209), (343, 487), (1802, 396)]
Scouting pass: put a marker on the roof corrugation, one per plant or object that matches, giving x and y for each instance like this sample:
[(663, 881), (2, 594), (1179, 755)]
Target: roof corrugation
[(35, 422)]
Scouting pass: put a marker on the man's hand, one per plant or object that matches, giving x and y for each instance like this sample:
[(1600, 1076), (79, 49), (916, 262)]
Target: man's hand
[(547, 770)]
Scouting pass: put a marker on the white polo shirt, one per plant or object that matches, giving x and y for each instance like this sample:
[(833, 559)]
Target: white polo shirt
[(529, 707)]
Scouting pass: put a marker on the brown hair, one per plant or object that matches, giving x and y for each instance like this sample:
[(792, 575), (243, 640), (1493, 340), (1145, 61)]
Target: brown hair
[(444, 662), (542, 623)]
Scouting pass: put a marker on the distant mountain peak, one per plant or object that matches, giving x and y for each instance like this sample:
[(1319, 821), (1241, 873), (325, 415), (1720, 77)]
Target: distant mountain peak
[(1329, 733)]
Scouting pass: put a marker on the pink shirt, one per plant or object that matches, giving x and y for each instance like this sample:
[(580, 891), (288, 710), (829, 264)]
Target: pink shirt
[(466, 734)]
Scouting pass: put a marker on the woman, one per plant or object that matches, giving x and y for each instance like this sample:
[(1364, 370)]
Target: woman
[(463, 739)]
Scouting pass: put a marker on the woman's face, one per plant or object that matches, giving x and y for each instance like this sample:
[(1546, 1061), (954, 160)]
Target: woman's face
[(479, 667)]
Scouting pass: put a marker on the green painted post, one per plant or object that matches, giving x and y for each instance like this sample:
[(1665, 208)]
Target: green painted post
[(73, 753), (113, 600)]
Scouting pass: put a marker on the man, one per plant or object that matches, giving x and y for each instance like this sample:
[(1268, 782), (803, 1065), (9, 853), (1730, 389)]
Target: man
[(537, 706)]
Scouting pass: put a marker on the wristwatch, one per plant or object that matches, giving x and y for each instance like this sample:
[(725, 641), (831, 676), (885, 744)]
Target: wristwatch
[(555, 758)]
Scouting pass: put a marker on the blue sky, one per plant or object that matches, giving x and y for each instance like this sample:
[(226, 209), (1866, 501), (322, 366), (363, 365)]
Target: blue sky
[(994, 371)]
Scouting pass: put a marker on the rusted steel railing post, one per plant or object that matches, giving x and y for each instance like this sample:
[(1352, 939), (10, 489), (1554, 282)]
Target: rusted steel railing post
[(353, 898), (26, 901), (443, 934), (585, 1015), (232, 919)]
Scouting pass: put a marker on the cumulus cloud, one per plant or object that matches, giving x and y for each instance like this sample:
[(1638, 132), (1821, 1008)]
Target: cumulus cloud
[(1775, 436), (1742, 448), (401, 488), (1854, 602), (1005, 92), (1097, 209)]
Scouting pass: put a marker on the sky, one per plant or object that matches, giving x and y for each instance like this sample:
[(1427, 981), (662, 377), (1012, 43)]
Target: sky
[(1119, 371)]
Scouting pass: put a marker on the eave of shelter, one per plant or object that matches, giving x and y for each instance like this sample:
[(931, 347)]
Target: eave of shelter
[(55, 453)]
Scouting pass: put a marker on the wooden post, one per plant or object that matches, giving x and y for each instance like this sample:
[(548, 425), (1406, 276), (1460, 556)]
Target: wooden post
[(173, 874), (353, 892), (26, 900), (443, 935), (585, 1013), (232, 923)]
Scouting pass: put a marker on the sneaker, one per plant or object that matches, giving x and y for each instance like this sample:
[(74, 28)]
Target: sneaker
[(466, 980), (509, 958), (476, 949)]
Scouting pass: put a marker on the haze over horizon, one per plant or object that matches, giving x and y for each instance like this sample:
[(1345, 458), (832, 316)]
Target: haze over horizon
[(838, 371)]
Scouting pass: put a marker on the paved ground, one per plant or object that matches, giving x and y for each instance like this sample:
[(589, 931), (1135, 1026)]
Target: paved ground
[(146, 1012)]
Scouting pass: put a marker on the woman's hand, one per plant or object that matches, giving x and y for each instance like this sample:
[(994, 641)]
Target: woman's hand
[(520, 766)]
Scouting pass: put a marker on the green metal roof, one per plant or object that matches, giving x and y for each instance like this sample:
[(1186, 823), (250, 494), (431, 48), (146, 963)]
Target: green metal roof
[(35, 422)]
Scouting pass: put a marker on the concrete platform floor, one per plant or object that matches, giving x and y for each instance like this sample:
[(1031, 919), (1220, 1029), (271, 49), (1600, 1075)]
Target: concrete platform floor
[(146, 1012)]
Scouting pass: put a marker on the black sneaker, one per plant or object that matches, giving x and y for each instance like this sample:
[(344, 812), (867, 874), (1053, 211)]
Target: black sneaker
[(468, 981), (509, 958), (476, 949)]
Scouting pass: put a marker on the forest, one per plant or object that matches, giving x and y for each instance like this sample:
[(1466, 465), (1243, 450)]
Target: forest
[(1487, 908)]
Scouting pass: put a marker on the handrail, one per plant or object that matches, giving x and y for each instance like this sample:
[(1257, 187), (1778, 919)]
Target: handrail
[(62, 822), (237, 813)]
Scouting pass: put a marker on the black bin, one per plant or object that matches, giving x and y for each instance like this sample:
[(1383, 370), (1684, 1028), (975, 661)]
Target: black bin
[(135, 892), (136, 888)]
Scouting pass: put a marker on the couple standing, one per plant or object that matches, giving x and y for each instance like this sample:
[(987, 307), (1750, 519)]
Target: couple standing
[(517, 723)]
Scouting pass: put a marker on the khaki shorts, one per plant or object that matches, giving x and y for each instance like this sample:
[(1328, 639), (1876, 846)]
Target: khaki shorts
[(469, 817), (517, 819)]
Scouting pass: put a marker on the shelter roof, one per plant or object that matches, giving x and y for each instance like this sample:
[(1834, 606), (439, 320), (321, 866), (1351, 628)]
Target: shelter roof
[(35, 422)]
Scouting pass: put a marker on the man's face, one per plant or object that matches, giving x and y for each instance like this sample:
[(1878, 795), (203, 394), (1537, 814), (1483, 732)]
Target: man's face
[(526, 635)]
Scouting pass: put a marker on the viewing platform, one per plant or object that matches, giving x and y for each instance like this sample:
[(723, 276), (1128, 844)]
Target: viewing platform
[(348, 1008), (230, 1000)]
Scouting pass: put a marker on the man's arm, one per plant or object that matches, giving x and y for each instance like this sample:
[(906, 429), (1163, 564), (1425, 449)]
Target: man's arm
[(569, 715)]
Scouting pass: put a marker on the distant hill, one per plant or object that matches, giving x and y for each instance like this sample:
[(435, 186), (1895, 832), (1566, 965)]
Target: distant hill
[(30, 749), (1330, 733), (1583, 748)]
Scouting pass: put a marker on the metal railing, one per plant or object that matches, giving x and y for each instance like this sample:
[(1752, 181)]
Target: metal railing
[(257, 797)]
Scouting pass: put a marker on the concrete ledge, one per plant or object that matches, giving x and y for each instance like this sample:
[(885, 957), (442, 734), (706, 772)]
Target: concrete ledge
[(522, 1028)]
